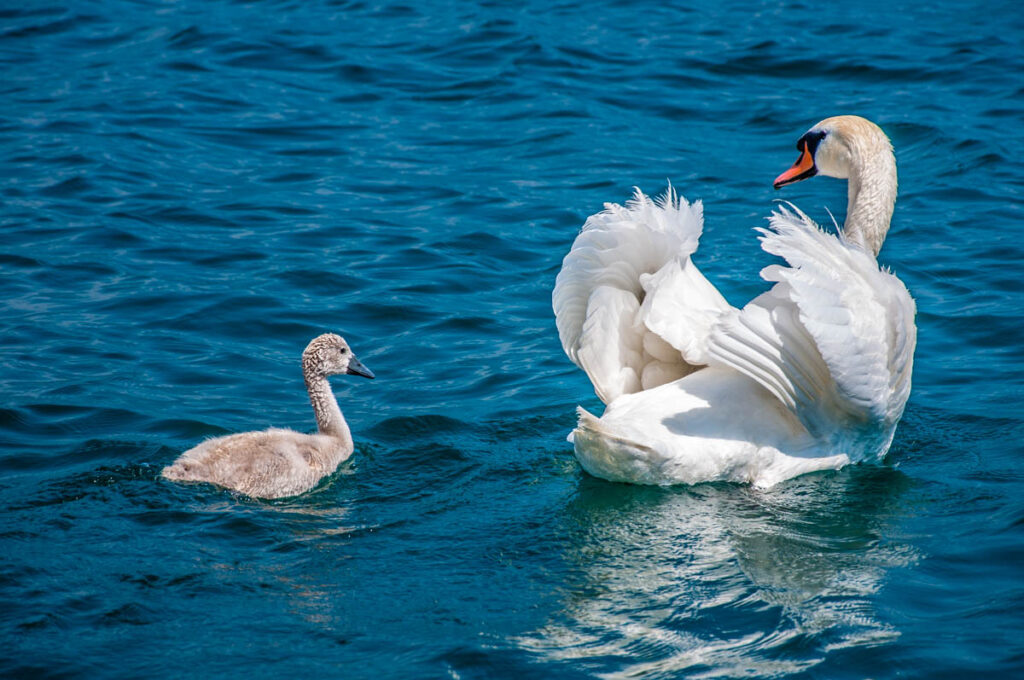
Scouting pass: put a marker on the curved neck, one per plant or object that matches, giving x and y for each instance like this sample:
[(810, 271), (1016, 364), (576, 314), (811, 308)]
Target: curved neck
[(325, 407), (872, 195)]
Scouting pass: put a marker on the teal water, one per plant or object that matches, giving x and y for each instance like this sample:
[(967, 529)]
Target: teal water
[(190, 191)]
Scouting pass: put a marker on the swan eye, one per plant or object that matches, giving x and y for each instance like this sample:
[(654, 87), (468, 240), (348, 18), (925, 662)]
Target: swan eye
[(811, 140)]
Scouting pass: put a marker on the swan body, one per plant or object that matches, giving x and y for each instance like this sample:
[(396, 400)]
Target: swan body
[(276, 463), (811, 375)]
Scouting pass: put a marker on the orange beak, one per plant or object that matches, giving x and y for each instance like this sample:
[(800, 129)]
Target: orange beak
[(802, 169)]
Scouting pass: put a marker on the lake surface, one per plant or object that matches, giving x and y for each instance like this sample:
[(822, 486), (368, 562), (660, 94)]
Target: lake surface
[(191, 191)]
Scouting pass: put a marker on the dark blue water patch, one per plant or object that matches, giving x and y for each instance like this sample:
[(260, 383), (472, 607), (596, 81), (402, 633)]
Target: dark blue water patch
[(44, 28), (401, 429), (58, 419)]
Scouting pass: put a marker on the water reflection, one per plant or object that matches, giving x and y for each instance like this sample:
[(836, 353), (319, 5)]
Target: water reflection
[(725, 580), (288, 546)]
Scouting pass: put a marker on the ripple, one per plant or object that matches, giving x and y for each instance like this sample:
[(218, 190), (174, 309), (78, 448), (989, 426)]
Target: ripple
[(400, 429)]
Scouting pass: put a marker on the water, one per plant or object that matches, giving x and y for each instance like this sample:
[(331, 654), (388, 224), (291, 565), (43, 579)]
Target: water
[(191, 191)]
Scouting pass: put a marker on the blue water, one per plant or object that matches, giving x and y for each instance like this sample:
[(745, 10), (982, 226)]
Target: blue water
[(190, 191)]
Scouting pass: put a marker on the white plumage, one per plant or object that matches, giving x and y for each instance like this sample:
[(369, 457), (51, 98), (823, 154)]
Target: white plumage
[(632, 310), (810, 375)]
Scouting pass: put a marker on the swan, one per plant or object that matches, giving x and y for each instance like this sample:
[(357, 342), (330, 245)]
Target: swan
[(276, 463), (811, 375)]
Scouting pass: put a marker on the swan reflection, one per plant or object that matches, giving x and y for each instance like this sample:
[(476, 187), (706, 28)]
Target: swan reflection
[(724, 577)]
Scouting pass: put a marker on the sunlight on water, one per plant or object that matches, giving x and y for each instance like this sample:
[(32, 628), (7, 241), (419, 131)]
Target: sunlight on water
[(685, 580)]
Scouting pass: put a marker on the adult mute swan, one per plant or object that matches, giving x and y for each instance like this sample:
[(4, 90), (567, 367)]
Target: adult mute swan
[(276, 463), (811, 375)]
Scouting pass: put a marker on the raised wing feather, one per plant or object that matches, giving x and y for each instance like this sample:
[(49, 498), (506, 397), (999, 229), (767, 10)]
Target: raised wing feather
[(833, 340), (631, 308), (681, 307)]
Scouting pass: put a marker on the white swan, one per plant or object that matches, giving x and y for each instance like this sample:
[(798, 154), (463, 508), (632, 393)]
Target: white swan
[(811, 375), (276, 463)]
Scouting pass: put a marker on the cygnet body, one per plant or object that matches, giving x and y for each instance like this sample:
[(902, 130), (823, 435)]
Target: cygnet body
[(276, 463)]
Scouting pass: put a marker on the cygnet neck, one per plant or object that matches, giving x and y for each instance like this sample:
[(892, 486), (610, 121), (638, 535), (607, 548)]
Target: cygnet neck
[(329, 420)]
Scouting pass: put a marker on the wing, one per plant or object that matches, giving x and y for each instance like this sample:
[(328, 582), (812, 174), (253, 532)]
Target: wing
[(833, 339), (632, 310)]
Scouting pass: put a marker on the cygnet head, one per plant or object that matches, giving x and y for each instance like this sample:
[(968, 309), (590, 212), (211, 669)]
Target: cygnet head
[(329, 354), (835, 147)]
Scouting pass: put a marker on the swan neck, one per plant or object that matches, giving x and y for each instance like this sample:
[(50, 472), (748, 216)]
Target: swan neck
[(871, 199), (329, 420)]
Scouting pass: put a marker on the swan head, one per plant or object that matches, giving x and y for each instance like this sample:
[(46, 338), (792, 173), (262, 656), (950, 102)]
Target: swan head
[(836, 147), (329, 354)]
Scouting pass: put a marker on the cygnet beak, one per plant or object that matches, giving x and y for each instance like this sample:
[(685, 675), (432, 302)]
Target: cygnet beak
[(355, 367), (804, 168)]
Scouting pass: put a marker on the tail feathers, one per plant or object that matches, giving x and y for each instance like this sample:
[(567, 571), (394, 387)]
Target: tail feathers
[(183, 471), (610, 456), (585, 417), (591, 430), (587, 422)]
